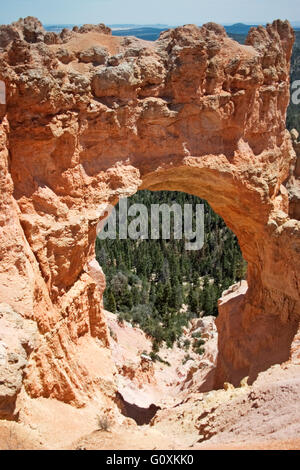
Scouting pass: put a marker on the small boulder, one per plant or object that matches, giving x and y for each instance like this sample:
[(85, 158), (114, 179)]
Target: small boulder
[(228, 386), (96, 28), (8, 34), (114, 81), (96, 55), (65, 56), (52, 38)]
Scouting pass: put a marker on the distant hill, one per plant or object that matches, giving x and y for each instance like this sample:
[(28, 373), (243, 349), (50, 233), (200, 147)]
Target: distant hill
[(133, 26), (237, 31), (151, 32), (57, 27), (148, 33), (239, 28)]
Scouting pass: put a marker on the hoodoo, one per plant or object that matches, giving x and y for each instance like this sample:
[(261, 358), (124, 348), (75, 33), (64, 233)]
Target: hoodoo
[(89, 118)]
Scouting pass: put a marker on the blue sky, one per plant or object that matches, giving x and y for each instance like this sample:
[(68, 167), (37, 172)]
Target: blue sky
[(152, 11)]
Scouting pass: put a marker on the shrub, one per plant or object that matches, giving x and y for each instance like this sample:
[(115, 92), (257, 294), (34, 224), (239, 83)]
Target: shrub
[(104, 423), (112, 334), (198, 342), (197, 346), (186, 358), (156, 357), (196, 334), (199, 351)]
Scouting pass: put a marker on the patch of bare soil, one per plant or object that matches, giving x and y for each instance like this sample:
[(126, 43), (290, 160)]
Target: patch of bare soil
[(126, 438), (81, 42), (263, 416), (15, 436)]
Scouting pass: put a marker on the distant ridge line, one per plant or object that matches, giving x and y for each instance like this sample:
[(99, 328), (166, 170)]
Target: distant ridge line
[(153, 31)]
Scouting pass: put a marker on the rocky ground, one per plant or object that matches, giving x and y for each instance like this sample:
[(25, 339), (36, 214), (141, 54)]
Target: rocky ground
[(265, 415), (144, 382)]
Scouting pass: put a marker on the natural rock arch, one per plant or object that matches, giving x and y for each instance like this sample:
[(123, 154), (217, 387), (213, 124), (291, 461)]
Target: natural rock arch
[(195, 112)]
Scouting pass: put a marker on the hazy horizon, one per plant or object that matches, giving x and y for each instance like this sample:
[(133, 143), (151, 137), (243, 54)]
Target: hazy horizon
[(168, 12), (164, 24)]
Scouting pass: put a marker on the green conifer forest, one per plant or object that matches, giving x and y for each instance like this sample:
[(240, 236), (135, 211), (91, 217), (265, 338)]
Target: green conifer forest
[(158, 284)]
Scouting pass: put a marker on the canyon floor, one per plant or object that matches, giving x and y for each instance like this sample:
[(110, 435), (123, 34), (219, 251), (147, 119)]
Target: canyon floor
[(170, 402)]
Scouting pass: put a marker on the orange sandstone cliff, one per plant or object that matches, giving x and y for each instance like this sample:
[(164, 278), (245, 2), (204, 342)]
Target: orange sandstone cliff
[(90, 118)]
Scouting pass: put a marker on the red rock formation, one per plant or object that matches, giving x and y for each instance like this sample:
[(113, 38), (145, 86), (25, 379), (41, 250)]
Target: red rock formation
[(293, 183), (31, 30), (195, 112)]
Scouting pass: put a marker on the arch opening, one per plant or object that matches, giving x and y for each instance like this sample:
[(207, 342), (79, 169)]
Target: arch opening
[(157, 253), (232, 199), (166, 289)]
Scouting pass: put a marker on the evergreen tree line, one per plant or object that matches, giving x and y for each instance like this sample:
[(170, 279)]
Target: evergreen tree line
[(158, 284)]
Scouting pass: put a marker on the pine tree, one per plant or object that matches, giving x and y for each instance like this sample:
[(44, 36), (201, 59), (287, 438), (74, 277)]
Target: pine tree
[(193, 300), (241, 269), (110, 303)]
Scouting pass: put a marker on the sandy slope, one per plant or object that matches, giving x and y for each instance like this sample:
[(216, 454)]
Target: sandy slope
[(265, 415)]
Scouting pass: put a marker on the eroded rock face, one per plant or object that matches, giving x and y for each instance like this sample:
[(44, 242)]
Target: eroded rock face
[(195, 112), (31, 30), (18, 338), (293, 183), (201, 373)]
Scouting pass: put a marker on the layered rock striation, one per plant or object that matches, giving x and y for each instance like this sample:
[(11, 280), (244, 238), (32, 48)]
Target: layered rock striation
[(90, 118)]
